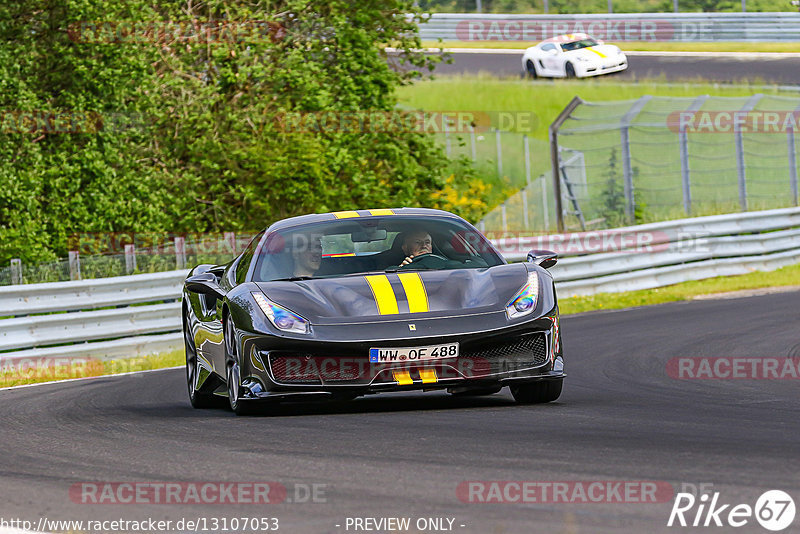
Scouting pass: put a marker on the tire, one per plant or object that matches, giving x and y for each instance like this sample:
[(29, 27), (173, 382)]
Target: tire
[(537, 392), (233, 376), (531, 70), (474, 392), (198, 399), (569, 70)]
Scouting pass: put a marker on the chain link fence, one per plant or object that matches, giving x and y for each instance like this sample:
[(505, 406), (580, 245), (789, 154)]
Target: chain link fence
[(659, 158)]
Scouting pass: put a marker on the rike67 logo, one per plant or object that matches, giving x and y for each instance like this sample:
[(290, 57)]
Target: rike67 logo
[(774, 510)]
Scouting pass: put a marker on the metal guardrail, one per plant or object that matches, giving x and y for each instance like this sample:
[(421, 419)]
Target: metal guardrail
[(721, 245), (617, 27)]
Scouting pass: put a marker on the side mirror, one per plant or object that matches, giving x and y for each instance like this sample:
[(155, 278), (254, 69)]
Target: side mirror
[(542, 258), (205, 283)]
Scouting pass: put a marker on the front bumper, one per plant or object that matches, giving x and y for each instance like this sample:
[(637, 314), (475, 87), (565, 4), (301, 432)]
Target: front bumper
[(284, 369), (605, 67)]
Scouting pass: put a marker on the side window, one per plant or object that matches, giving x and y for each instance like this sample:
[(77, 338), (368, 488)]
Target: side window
[(244, 264), (548, 46)]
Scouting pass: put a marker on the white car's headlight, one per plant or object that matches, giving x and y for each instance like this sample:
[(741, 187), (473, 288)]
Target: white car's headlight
[(583, 59), (280, 317), (524, 302)]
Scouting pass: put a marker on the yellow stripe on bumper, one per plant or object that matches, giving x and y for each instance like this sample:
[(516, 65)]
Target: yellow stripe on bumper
[(403, 378), (381, 212), (415, 292), (345, 214), (428, 376), (383, 293)]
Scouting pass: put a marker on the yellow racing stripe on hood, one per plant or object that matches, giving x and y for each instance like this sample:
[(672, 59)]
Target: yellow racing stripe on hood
[(596, 52), (383, 293), (415, 292)]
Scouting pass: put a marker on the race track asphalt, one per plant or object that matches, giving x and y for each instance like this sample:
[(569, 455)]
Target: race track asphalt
[(766, 69), (621, 418)]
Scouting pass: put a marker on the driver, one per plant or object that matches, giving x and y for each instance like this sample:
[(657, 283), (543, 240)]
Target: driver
[(307, 255), (416, 244)]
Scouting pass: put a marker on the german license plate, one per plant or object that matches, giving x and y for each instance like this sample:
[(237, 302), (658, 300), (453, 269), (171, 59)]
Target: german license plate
[(413, 354)]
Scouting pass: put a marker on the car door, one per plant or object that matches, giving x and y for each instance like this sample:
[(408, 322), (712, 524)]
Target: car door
[(551, 59)]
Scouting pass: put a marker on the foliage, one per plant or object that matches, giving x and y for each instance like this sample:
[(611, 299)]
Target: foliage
[(207, 150)]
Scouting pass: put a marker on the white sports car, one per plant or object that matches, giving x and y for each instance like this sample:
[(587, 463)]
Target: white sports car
[(574, 55)]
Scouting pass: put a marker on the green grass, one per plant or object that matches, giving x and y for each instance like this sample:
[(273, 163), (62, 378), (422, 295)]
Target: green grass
[(786, 276), (635, 46), (77, 368)]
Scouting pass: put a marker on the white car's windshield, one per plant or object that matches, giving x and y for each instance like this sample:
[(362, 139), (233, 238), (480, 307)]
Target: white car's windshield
[(576, 45), (352, 246)]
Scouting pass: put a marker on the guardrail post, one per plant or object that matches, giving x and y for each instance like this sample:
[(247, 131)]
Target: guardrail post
[(499, 154), (503, 213), (180, 252), (741, 171), (74, 265), (230, 239), (16, 271), (130, 258), (627, 171), (683, 141)]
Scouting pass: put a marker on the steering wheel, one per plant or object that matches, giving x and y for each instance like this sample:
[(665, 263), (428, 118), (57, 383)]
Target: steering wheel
[(429, 260)]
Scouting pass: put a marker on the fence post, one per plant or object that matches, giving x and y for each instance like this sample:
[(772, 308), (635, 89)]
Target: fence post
[(230, 239), (446, 128), (503, 213), (74, 265), (180, 252), (472, 142), (545, 209), (16, 271), (792, 160), (526, 149), (130, 258), (627, 171), (499, 154), (683, 141), (741, 171), (554, 159)]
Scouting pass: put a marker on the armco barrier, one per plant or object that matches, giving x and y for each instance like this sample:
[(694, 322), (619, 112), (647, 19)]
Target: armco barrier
[(721, 245), (617, 27)]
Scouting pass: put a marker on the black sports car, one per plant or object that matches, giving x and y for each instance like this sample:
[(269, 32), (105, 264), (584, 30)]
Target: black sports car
[(344, 304)]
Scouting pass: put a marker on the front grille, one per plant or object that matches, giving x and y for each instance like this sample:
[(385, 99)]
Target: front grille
[(299, 368), (521, 353)]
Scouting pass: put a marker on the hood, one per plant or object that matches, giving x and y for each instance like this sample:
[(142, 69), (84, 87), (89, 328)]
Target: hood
[(423, 293), (596, 52)]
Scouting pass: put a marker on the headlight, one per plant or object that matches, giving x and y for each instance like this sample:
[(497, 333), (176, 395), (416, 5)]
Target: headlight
[(524, 302), (280, 317)]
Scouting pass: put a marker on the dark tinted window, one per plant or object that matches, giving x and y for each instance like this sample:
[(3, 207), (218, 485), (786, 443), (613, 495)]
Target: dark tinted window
[(244, 263)]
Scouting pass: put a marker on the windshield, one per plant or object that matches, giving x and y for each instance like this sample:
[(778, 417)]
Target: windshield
[(352, 246), (575, 45)]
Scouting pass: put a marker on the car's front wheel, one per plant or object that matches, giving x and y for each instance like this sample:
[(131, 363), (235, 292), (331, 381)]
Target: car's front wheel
[(198, 399), (537, 392), (234, 375), (530, 68), (569, 70)]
